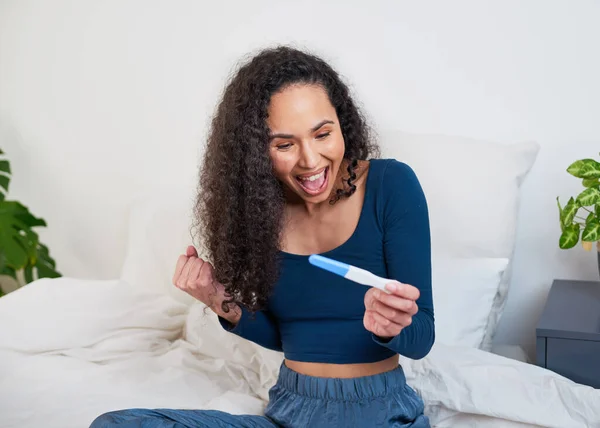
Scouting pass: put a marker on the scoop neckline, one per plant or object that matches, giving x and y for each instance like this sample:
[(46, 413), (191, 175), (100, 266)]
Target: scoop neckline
[(354, 232)]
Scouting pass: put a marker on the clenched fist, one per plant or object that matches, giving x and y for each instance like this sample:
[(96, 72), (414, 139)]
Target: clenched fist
[(387, 314), (195, 276)]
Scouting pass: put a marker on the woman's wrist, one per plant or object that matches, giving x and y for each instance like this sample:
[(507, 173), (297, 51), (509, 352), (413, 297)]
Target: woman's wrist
[(233, 315)]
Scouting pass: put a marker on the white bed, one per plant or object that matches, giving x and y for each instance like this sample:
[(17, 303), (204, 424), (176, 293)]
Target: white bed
[(71, 349), (80, 348)]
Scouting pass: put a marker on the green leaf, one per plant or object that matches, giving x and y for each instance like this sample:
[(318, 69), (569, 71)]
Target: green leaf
[(589, 196), (569, 237), (4, 181), (28, 273), (5, 167), (585, 168), (9, 271), (590, 182), (591, 232), (46, 266), (569, 211), (26, 218), (590, 217), (4, 178), (560, 214), (18, 242), (597, 210)]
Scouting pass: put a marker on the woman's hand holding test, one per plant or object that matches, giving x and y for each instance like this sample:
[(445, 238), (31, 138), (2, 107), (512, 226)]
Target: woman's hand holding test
[(387, 314)]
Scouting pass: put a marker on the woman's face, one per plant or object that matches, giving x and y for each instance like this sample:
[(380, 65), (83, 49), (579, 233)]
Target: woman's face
[(306, 147)]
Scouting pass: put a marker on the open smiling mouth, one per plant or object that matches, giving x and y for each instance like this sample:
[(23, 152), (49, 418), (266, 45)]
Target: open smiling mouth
[(315, 184)]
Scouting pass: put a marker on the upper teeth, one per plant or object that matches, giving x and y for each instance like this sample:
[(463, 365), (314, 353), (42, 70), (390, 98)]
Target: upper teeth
[(313, 177)]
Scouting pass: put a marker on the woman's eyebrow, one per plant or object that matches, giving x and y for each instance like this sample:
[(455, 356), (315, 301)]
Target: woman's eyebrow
[(323, 122), (313, 129), (286, 136)]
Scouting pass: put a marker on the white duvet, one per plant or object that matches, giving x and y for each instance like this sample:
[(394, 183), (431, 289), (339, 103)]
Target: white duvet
[(72, 349)]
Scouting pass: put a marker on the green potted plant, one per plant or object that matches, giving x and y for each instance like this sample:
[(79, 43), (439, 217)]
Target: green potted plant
[(586, 227), (22, 256)]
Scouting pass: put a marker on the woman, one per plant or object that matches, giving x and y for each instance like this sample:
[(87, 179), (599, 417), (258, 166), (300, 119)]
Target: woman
[(287, 174)]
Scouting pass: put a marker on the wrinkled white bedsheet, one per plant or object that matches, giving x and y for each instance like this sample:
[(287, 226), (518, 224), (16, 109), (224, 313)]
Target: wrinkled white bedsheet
[(71, 349)]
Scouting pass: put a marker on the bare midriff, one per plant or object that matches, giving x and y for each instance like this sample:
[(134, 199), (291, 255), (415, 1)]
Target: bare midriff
[(342, 370)]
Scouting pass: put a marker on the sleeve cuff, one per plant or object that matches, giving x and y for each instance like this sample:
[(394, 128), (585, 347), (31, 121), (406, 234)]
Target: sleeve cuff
[(383, 341), (230, 327)]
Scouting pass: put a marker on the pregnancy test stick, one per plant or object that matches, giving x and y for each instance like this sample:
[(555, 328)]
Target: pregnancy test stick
[(350, 272)]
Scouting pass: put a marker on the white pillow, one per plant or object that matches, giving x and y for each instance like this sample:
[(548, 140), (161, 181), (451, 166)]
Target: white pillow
[(87, 319), (160, 225), (463, 293), (472, 189)]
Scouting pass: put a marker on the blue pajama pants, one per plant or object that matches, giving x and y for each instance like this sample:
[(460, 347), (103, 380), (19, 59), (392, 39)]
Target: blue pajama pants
[(296, 400)]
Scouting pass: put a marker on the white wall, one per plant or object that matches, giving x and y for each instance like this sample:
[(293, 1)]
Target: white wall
[(101, 99)]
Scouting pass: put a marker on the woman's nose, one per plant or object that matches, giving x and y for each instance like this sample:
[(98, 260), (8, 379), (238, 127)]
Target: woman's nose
[(309, 158)]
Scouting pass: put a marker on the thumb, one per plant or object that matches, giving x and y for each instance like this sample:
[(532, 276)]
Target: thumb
[(191, 251)]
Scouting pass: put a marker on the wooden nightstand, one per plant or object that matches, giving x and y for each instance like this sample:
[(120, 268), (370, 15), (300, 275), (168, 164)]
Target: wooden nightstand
[(568, 332)]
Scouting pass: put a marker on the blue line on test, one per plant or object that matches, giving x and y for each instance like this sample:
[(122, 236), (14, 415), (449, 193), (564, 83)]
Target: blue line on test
[(329, 264)]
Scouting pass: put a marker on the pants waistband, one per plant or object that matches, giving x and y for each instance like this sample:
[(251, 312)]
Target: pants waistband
[(346, 389)]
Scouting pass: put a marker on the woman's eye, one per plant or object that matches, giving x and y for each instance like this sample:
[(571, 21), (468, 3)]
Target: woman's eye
[(284, 146), (321, 136)]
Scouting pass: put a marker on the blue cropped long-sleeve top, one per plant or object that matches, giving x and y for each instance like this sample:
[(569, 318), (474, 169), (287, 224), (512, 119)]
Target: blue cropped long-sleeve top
[(316, 316)]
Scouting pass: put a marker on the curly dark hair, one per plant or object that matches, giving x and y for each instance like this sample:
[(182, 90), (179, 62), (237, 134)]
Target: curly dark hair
[(240, 205)]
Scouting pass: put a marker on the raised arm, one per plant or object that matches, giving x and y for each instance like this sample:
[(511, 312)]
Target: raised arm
[(195, 276)]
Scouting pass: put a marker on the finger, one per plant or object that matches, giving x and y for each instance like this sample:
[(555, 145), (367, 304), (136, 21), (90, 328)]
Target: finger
[(386, 311), (185, 273), (403, 290), (384, 327), (191, 251), (398, 317), (206, 274), (370, 298), (179, 268), (395, 302), (193, 277)]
